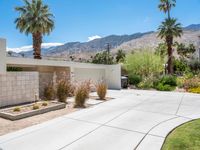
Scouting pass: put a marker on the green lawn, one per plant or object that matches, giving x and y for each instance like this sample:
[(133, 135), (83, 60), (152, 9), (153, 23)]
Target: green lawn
[(185, 137)]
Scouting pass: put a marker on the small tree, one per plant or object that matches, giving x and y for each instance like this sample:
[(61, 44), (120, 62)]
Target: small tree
[(120, 56), (103, 58)]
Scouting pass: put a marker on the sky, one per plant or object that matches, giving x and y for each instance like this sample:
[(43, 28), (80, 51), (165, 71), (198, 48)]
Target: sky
[(84, 20)]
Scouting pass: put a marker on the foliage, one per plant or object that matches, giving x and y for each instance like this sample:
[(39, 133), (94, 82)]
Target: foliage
[(180, 66), (194, 90), (191, 83), (63, 90), (120, 56), (143, 64), (185, 137), (166, 83), (185, 51), (49, 92), (147, 83), (35, 19), (166, 6), (36, 106), (134, 79), (101, 88), (103, 58), (17, 109), (195, 65), (81, 95), (14, 69), (44, 104), (161, 50)]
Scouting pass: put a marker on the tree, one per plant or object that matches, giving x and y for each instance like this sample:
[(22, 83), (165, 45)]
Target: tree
[(166, 6), (120, 56), (185, 51), (168, 30), (103, 58), (35, 19)]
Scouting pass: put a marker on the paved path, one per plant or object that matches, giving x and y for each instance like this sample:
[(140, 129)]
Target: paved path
[(134, 120)]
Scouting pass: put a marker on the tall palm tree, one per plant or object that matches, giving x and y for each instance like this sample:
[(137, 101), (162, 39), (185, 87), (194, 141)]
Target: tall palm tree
[(35, 19), (166, 6), (168, 30)]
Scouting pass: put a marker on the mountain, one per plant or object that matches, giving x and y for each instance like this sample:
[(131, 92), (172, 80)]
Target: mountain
[(194, 27), (125, 42)]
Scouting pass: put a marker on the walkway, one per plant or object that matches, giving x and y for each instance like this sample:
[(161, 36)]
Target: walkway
[(134, 120)]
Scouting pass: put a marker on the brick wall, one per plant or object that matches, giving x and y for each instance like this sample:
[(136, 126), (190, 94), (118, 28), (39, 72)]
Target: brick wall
[(18, 87)]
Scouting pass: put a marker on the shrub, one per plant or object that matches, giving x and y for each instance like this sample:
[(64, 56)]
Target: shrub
[(134, 79), (166, 83), (81, 95), (165, 87), (195, 66), (101, 88), (17, 109), (63, 90), (44, 104), (36, 106), (49, 92), (169, 80), (194, 90), (144, 64), (191, 83), (147, 83), (180, 66)]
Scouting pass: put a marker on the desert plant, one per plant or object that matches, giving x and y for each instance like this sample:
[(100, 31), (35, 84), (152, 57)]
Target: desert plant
[(101, 88), (17, 109), (81, 95), (35, 106), (144, 64), (147, 83), (49, 92), (166, 83), (134, 79), (191, 83), (44, 104), (63, 90)]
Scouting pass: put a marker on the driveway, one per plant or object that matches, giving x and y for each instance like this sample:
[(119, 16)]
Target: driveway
[(133, 120)]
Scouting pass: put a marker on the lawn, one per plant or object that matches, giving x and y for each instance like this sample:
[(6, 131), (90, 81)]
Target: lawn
[(185, 137)]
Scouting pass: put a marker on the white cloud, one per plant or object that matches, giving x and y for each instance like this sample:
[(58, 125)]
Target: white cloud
[(93, 37), (29, 47)]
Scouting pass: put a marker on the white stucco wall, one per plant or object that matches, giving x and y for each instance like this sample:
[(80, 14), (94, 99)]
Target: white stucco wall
[(2, 56)]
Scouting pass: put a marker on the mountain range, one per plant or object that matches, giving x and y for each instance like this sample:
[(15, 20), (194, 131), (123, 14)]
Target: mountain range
[(125, 42)]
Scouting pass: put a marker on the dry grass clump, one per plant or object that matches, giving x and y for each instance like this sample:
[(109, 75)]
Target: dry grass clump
[(63, 89), (81, 94), (101, 88), (17, 109), (49, 92)]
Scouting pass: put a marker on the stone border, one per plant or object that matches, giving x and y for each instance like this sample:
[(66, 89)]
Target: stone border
[(14, 117)]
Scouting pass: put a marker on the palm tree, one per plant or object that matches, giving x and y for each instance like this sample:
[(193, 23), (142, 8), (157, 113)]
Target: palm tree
[(166, 6), (35, 19), (168, 30)]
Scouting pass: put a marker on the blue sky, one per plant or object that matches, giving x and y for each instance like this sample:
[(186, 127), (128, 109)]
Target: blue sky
[(76, 20)]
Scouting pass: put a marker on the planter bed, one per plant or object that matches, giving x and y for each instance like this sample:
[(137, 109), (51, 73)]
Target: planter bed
[(27, 110)]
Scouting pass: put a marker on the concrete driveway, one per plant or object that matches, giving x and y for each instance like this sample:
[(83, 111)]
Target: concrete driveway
[(133, 120)]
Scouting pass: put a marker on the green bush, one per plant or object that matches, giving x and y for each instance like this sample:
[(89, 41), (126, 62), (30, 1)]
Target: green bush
[(63, 90), (166, 83), (134, 79), (147, 83), (36, 106), (180, 66), (165, 87), (144, 64), (49, 92)]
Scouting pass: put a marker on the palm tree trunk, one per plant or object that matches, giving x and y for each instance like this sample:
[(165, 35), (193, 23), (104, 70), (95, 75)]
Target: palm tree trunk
[(170, 55), (37, 41)]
